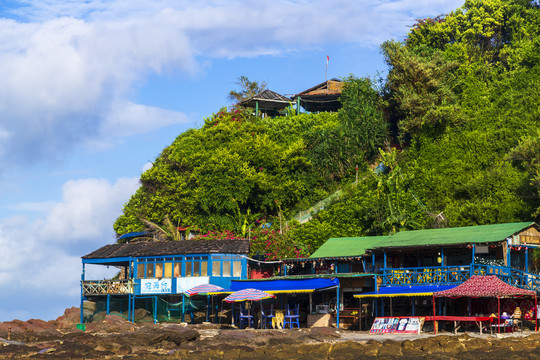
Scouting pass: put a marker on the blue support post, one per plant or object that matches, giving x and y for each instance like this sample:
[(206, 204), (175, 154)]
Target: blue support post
[(527, 259), (337, 307), (82, 294), (155, 309), (207, 307), (108, 304), (384, 260), (442, 256), (373, 263), (129, 307), (508, 256), (183, 308), (364, 264), (133, 308), (473, 253), (284, 269)]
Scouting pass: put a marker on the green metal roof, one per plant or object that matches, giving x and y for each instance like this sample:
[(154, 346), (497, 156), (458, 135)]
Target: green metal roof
[(347, 247), (357, 246), (458, 235)]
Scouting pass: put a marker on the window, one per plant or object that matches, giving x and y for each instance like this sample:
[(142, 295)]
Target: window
[(237, 268), (216, 268), (159, 270), (168, 269), (140, 271), (150, 270), (227, 268), (188, 268), (177, 269), (204, 268), (196, 268)]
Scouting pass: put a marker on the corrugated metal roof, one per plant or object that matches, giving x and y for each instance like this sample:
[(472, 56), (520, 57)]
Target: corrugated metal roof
[(160, 248), (457, 235), (267, 99), (347, 247)]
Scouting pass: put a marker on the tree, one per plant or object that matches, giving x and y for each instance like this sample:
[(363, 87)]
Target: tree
[(247, 90), (361, 117)]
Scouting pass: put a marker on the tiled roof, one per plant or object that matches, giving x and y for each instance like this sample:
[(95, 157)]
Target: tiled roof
[(160, 248)]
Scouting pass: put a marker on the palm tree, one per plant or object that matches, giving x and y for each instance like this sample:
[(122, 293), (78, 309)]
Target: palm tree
[(168, 231)]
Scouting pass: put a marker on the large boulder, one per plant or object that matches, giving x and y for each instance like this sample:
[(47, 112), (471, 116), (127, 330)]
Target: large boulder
[(71, 317)]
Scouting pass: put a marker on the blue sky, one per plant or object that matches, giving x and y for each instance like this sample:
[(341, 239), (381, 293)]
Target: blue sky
[(93, 90)]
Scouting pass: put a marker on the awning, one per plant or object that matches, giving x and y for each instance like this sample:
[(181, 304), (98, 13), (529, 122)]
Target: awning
[(284, 286), (395, 291)]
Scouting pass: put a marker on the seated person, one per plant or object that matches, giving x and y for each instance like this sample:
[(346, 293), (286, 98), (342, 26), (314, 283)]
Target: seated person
[(517, 313)]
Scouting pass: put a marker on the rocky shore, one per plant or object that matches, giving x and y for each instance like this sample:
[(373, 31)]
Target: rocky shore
[(116, 338)]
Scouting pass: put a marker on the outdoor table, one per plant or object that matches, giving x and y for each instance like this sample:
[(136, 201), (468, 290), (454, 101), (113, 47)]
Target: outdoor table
[(459, 320), (509, 323)]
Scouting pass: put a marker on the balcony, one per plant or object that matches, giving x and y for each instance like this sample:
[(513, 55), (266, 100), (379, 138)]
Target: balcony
[(455, 275), (104, 287)]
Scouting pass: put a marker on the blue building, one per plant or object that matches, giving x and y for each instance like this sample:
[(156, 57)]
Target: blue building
[(154, 275)]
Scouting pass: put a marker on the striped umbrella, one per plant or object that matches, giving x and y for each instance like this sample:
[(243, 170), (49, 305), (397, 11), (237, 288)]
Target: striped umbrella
[(202, 289), (248, 294)]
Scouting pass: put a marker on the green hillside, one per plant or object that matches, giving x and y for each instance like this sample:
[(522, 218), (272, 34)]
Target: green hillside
[(460, 106)]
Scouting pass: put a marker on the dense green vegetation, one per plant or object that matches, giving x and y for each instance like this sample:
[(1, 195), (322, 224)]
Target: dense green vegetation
[(460, 106)]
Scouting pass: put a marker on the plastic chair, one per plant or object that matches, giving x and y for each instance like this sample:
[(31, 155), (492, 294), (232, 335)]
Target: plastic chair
[(266, 317), (292, 317), (245, 316)]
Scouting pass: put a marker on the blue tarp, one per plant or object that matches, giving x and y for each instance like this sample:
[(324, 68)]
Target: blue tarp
[(287, 285), (419, 290), (132, 234)]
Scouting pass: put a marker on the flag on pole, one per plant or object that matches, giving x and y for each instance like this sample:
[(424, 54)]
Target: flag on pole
[(326, 69)]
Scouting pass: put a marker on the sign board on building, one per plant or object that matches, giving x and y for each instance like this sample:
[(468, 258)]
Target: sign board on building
[(186, 283), (156, 286), (397, 325)]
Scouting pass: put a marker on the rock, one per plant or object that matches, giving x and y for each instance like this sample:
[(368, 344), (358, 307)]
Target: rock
[(476, 344), (344, 350), (390, 348), (177, 336), (71, 317), (323, 333), (371, 348), (111, 324)]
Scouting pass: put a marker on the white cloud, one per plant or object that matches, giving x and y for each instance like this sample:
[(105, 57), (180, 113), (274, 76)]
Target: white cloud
[(147, 166), (127, 119), (68, 70), (44, 256), (87, 210)]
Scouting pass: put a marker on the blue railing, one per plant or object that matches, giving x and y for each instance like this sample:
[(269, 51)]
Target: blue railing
[(455, 275)]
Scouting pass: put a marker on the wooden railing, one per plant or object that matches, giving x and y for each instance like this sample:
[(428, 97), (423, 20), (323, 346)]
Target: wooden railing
[(103, 287)]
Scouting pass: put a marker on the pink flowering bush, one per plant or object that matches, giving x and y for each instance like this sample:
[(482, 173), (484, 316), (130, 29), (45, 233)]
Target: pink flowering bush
[(273, 246)]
